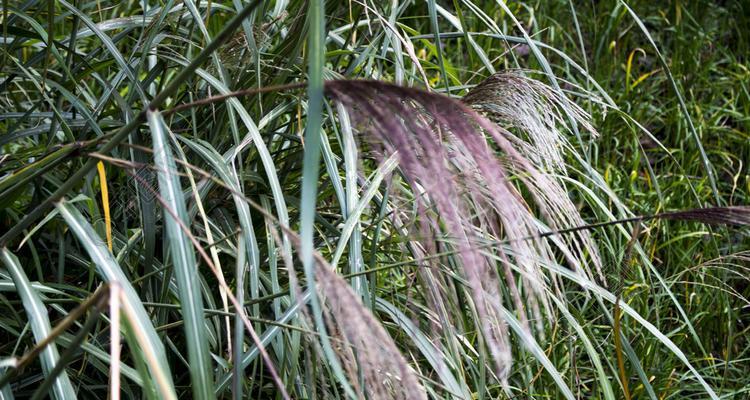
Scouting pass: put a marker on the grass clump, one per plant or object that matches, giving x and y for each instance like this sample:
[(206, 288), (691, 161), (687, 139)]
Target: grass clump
[(348, 199)]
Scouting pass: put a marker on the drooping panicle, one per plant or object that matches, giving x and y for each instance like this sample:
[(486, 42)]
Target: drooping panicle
[(473, 175)]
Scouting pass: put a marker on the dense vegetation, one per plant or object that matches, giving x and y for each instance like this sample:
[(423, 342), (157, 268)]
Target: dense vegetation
[(375, 199)]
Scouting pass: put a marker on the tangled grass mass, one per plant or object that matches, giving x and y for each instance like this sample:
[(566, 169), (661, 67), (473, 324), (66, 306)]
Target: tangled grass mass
[(357, 199)]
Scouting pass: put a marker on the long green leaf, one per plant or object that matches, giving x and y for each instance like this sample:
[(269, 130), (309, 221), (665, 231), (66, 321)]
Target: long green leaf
[(683, 107), (183, 258), (147, 346), (40, 325), (310, 172)]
